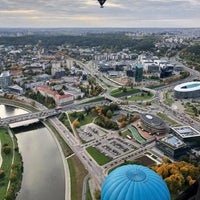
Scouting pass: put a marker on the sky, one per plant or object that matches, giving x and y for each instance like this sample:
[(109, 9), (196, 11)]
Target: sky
[(87, 13)]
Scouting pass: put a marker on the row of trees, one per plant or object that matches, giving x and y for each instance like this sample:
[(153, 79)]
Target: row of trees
[(11, 173), (127, 119), (93, 89), (45, 100)]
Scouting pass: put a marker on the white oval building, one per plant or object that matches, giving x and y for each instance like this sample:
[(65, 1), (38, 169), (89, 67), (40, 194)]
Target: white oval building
[(187, 90)]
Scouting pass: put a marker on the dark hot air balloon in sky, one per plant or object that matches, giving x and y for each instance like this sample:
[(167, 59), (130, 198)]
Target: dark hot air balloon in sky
[(101, 2)]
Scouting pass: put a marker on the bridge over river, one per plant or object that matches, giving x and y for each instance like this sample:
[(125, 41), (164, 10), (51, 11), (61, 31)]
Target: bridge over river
[(36, 115)]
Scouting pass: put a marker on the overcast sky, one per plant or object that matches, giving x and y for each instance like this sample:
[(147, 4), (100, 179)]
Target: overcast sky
[(87, 13)]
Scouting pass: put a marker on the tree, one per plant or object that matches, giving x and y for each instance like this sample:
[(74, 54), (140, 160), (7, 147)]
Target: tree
[(166, 160), (122, 124), (7, 149), (76, 123), (2, 173), (109, 114), (13, 176), (97, 194), (121, 118)]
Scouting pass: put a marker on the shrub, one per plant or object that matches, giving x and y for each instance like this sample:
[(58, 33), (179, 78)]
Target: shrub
[(7, 149)]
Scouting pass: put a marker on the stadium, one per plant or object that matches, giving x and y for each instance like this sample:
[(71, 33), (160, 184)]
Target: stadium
[(187, 90), (153, 124)]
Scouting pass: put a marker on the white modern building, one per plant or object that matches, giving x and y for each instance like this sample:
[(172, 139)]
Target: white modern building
[(187, 90)]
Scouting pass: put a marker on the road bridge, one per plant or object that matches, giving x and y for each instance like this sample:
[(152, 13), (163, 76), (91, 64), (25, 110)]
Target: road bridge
[(36, 115)]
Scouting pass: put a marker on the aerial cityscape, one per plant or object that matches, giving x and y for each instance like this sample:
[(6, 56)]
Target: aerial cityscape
[(100, 109)]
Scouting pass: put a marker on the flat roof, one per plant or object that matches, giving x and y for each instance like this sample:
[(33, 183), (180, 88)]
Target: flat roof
[(186, 131), (173, 141)]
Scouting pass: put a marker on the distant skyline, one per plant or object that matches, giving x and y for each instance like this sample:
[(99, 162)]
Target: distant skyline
[(87, 13)]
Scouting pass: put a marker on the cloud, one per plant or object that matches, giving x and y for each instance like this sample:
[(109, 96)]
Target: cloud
[(88, 12), (27, 12)]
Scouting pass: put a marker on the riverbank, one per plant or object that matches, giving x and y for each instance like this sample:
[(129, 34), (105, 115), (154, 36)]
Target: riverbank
[(1, 160), (11, 165)]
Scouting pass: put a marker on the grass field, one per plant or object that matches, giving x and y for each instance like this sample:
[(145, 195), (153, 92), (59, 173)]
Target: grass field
[(100, 158), (140, 97), (77, 175), (87, 118), (6, 165), (94, 100), (126, 132), (165, 117), (120, 93)]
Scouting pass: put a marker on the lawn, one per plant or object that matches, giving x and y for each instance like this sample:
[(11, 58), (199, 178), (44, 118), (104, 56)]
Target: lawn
[(87, 118), (6, 165), (120, 92), (168, 101), (126, 132), (77, 175), (100, 158), (156, 86), (89, 196), (140, 97), (15, 183), (94, 100), (165, 117)]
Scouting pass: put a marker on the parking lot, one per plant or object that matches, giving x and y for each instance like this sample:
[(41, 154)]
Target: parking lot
[(114, 147), (90, 132)]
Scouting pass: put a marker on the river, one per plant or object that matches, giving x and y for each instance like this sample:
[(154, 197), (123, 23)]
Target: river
[(43, 177)]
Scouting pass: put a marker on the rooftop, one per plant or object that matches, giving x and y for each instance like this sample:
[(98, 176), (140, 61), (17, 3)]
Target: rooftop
[(186, 131), (173, 141)]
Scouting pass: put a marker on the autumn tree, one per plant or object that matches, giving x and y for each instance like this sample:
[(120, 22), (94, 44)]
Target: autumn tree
[(121, 118), (76, 123), (97, 194), (177, 175)]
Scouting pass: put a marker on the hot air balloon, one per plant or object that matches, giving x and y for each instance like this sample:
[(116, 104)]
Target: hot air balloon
[(101, 2)]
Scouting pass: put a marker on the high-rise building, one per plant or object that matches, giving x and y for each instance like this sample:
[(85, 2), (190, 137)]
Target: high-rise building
[(138, 73), (5, 80)]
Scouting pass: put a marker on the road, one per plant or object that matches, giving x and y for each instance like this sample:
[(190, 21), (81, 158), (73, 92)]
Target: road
[(93, 168)]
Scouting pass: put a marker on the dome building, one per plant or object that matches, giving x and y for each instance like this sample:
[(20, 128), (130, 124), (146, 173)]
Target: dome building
[(153, 124), (134, 182)]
